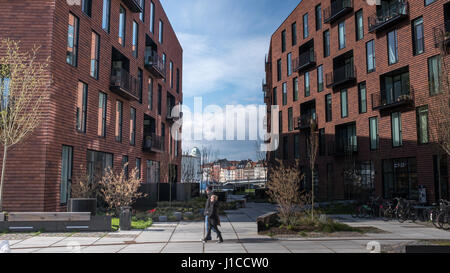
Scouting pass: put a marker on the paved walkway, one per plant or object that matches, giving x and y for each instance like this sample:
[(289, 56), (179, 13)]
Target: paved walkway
[(239, 232)]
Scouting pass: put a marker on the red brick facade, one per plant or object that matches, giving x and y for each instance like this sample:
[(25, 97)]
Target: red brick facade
[(330, 165), (33, 172)]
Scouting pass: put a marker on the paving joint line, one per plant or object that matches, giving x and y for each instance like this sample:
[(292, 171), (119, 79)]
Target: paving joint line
[(171, 235)]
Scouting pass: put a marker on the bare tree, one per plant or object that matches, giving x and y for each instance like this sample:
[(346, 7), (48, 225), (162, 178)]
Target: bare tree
[(283, 188), (313, 147), (168, 172), (119, 190), (24, 85), (84, 186), (188, 169), (208, 155)]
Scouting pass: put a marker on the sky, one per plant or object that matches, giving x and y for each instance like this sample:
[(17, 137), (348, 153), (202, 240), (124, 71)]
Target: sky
[(224, 45)]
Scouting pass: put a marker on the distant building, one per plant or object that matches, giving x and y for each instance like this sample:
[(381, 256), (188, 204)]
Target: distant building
[(191, 171)]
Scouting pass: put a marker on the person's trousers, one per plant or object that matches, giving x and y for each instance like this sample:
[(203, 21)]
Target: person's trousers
[(208, 228), (215, 229)]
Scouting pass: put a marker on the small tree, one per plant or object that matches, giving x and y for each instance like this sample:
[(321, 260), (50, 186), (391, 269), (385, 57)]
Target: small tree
[(23, 88), (283, 188), (120, 191), (313, 147), (84, 186)]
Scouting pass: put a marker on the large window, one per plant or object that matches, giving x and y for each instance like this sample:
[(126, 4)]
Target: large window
[(97, 164), (275, 101), (139, 168), (132, 126), (134, 46), (81, 106), (152, 17), (294, 33), (164, 65), (125, 165), (122, 25), (297, 146), (150, 94), (72, 40), (152, 172), (290, 120), (307, 85), (320, 78), (396, 126), (318, 17), (106, 15), (140, 78), (344, 103), (283, 41), (359, 25), (322, 142), (373, 127), (305, 26), (295, 87), (394, 86), (279, 70), (346, 139), (362, 98), (440, 170), (289, 64), (119, 120), (285, 147), (280, 121), (329, 107), (284, 93), (4, 88), (171, 74), (326, 43), (341, 35), (95, 54), (161, 32), (418, 36), (392, 47), (400, 178), (66, 173), (159, 99), (86, 7), (101, 122), (434, 75), (370, 56), (142, 14), (422, 124)]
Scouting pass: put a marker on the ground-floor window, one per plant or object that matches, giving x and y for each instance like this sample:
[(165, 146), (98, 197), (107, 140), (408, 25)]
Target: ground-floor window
[(153, 172), (400, 178), (440, 169), (66, 173), (98, 163)]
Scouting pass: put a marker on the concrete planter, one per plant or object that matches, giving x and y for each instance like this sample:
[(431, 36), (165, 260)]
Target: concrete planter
[(162, 219), (2, 216), (125, 218), (82, 205), (177, 215)]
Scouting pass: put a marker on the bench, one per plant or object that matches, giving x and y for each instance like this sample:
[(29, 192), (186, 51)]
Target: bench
[(264, 221), (48, 216)]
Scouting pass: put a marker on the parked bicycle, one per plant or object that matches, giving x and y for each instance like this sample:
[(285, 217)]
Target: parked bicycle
[(369, 209), (443, 218)]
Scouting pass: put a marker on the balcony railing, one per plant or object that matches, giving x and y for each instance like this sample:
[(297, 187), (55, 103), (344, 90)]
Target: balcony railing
[(337, 9), (133, 5), (124, 84), (405, 98), (341, 75), (341, 148), (442, 36), (306, 122), (155, 64), (395, 13), (153, 143), (305, 60)]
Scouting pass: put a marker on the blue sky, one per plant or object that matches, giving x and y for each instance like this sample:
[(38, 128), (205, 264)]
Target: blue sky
[(224, 43)]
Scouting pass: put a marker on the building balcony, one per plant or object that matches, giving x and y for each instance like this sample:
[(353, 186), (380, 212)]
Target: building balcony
[(153, 144), (336, 10), (341, 148), (442, 36), (155, 65), (341, 75), (405, 99), (306, 122), (123, 84), (396, 12), (306, 60), (133, 5)]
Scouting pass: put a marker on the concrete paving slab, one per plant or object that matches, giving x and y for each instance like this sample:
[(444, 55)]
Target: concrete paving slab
[(38, 241), (102, 249), (142, 248), (183, 248)]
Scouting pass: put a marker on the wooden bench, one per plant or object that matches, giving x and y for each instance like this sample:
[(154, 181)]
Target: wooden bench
[(48, 216)]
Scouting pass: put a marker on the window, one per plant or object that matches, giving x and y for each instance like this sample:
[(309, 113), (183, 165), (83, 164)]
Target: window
[(152, 172), (295, 87), (393, 86), (294, 33), (434, 75), (125, 165), (344, 103), (132, 126), (72, 40), (152, 17), (326, 43), (86, 7), (285, 147), (97, 163), (150, 94), (279, 70), (329, 107), (95, 54), (4, 87), (122, 25), (283, 41), (359, 25), (396, 125), (346, 139), (418, 38), (140, 79), (164, 65), (373, 128), (305, 26), (318, 17), (119, 120), (320, 78), (322, 142), (138, 167), (297, 146), (106, 15), (307, 89), (362, 98), (440, 170), (171, 74), (284, 93), (289, 64), (159, 99), (427, 2), (280, 122), (135, 39), (422, 124), (342, 35), (290, 120), (392, 47), (141, 15), (275, 102), (178, 80), (370, 56), (161, 32), (81, 106), (66, 173), (102, 100), (400, 178)]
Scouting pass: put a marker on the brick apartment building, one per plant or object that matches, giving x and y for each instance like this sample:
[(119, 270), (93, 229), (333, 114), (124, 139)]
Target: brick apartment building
[(366, 77), (116, 67)]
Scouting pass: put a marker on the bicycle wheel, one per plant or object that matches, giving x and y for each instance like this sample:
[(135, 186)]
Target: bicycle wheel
[(401, 216), (433, 218), (356, 212), (386, 214), (443, 220)]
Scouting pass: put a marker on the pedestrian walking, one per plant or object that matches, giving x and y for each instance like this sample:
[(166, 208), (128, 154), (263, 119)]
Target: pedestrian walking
[(213, 219)]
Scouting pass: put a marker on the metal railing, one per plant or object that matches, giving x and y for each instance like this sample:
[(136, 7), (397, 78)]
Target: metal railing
[(133, 5), (304, 60), (122, 80), (341, 147), (441, 35), (341, 75), (154, 61), (397, 10), (153, 143), (336, 9), (406, 97)]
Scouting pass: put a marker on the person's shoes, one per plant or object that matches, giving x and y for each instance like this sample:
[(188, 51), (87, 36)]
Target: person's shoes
[(220, 239), (205, 240)]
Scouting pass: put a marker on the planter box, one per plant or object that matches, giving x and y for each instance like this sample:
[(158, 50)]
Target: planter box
[(177, 215), (2, 216), (162, 219), (125, 218), (82, 205), (265, 221)]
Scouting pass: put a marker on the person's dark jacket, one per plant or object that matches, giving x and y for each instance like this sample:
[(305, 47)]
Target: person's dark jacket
[(213, 213), (208, 202)]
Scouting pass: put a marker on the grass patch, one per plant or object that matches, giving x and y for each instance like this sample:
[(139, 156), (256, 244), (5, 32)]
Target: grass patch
[(438, 242), (337, 209), (135, 223)]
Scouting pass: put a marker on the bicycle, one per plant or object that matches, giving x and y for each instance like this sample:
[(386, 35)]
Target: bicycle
[(443, 219)]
